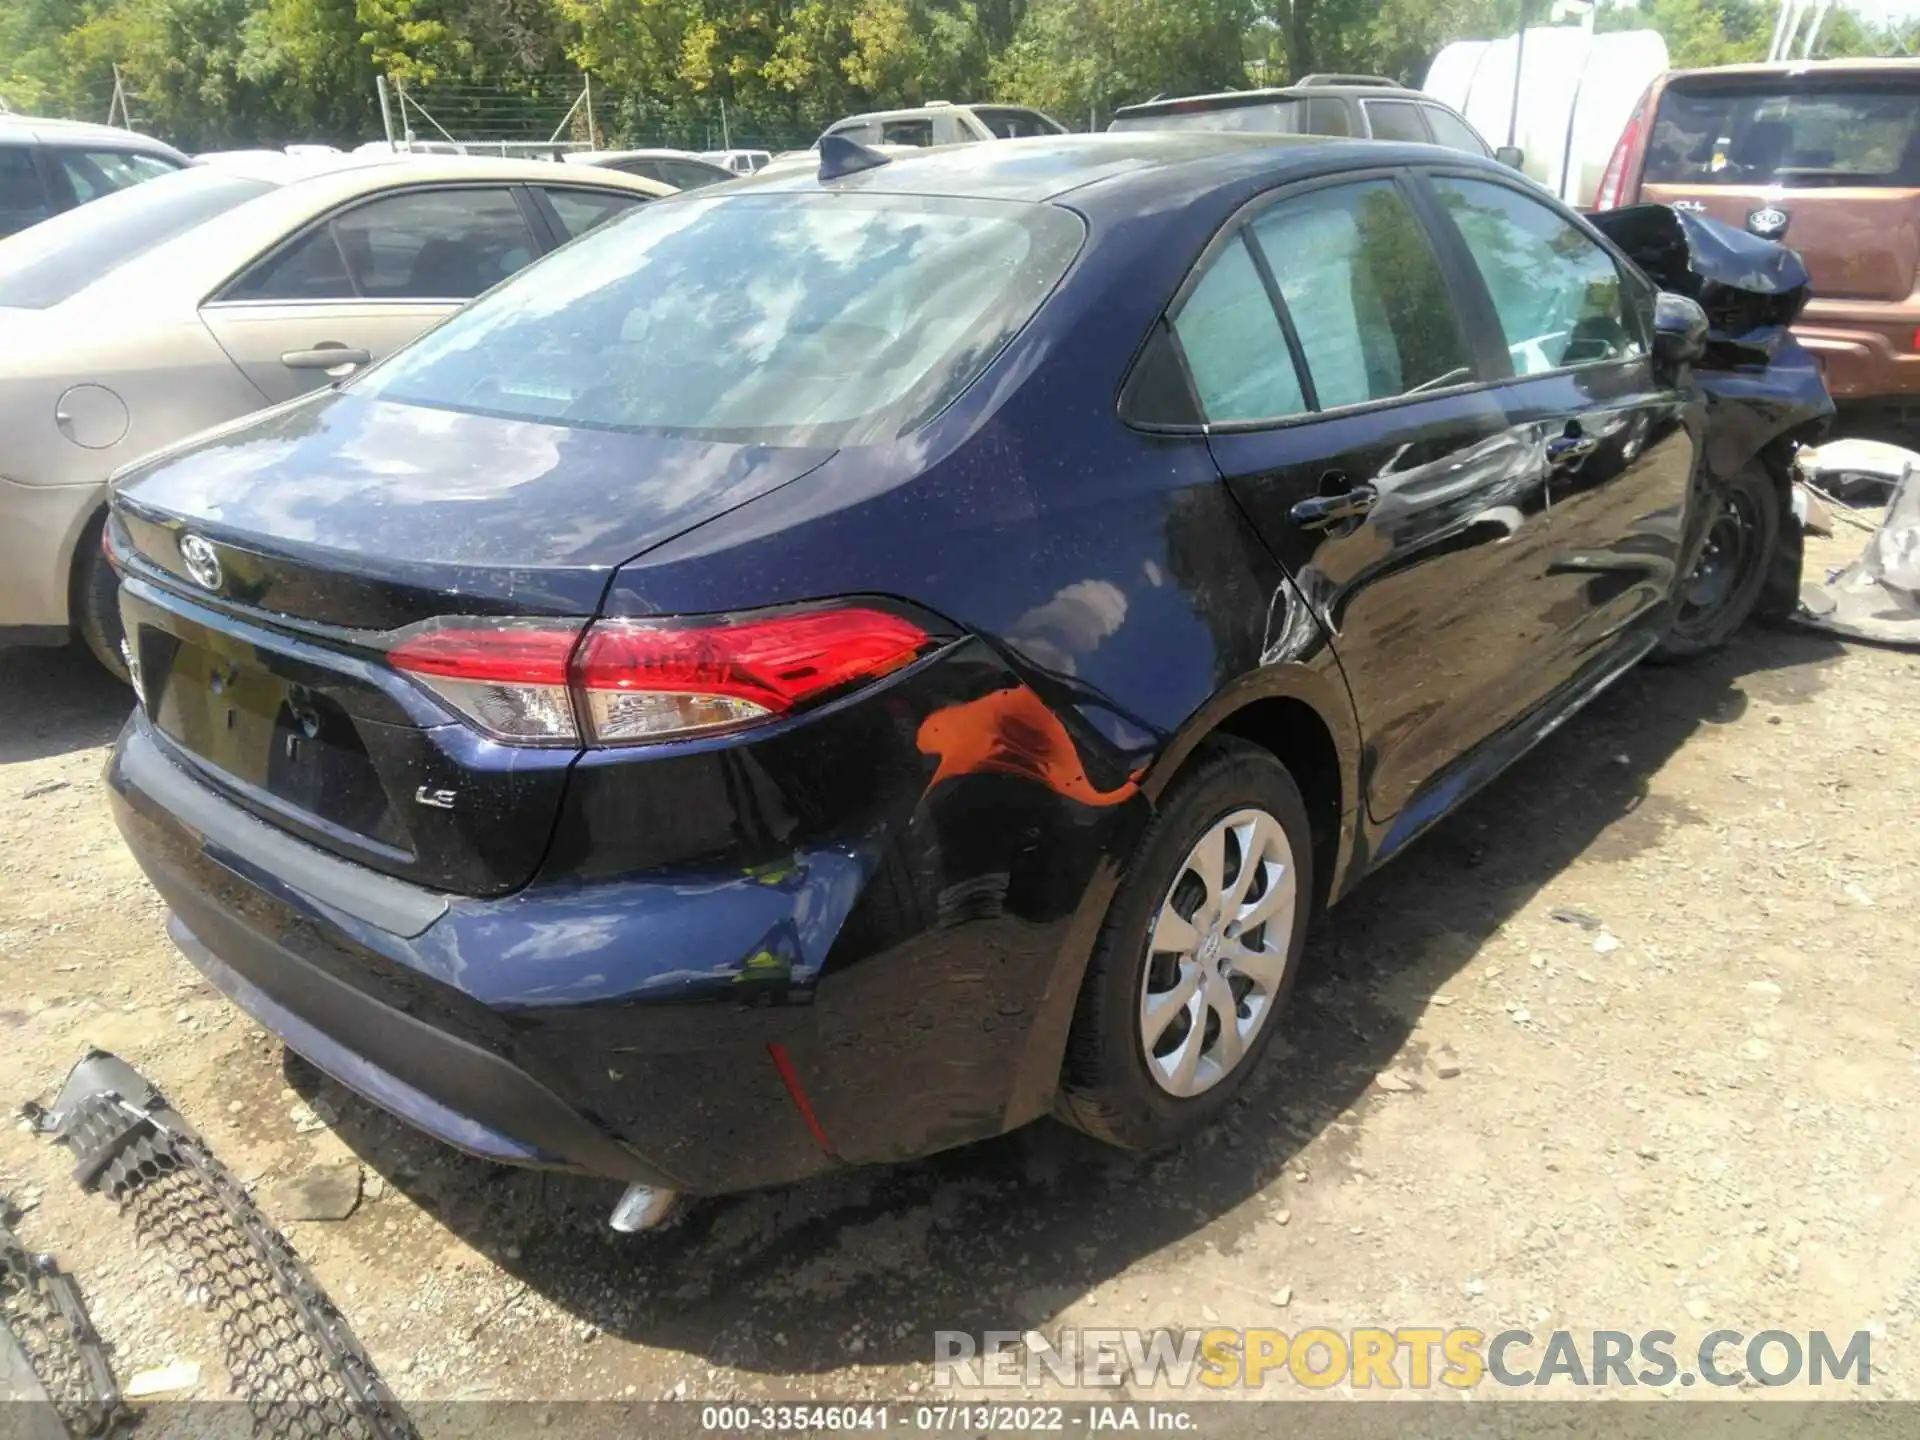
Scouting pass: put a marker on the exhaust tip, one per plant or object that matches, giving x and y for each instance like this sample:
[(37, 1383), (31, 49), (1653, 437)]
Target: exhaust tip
[(644, 1207)]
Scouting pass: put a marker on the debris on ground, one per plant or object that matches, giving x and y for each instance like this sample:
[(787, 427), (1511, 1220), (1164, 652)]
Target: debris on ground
[(1877, 597)]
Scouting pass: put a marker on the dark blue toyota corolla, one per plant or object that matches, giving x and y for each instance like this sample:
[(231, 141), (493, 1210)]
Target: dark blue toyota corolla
[(833, 669)]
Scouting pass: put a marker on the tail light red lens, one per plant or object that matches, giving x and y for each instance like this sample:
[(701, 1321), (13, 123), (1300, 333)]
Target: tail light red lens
[(627, 682), (1614, 180), (509, 677)]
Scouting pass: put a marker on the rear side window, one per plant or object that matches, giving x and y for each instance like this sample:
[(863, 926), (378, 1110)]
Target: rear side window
[(23, 200), (1364, 292), (1453, 132), (311, 268), (684, 175), (59, 258), (94, 173), (1236, 351), (863, 132), (580, 210), (802, 319), (1328, 116), (1395, 120), (1858, 135), (1014, 124), (906, 132), (1557, 293)]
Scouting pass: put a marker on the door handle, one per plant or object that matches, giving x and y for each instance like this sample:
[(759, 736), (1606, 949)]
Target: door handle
[(1564, 451), (327, 355), (1323, 512)]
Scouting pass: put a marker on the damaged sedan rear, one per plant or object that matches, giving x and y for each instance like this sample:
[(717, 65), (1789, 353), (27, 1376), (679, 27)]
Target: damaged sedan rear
[(705, 732)]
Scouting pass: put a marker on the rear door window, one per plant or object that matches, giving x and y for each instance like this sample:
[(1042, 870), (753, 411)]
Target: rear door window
[(1557, 293), (1453, 132), (1236, 351), (434, 244), (311, 268), (1395, 120), (1861, 134), (23, 199), (1364, 292)]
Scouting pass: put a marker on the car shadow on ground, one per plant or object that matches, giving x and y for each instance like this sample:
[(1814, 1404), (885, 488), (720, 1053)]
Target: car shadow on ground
[(864, 1266), (56, 701)]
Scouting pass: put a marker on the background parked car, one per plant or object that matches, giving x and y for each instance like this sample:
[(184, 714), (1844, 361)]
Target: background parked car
[(1366, 107), (681, 169), (1824, 156), (739, 162), (208, 293), (47, 166), (940, 123)]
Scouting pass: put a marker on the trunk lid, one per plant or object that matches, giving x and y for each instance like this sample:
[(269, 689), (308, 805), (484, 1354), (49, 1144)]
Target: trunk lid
[(267, 562), (1828, 163)]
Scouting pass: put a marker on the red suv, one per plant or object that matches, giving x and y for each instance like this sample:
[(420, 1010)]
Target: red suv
[(1823, 155)]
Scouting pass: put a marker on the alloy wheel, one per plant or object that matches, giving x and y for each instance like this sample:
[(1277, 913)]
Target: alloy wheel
[(1217, 954)]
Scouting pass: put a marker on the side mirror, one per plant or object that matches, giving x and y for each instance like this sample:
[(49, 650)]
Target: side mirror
[(1679, 329), (1512, 156)]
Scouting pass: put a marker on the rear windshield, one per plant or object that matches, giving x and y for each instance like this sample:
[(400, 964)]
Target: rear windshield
[(1280, 117), (1863, 134), (773, 318), (59, 258)]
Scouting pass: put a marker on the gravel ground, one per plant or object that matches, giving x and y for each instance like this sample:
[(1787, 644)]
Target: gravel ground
[(1625, 1044)]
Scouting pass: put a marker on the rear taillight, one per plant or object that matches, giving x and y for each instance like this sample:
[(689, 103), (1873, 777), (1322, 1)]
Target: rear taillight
[(625, 682), (507, 676), (1614, 180)]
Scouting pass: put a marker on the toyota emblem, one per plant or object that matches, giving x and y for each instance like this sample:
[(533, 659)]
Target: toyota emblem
[(202, 561), (1769, 222)]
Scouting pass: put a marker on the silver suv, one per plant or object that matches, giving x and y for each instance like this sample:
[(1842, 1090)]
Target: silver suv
[(939, 122), (1367, 107)]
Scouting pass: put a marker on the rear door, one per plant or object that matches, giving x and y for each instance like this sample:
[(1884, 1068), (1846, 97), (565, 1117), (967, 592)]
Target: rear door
[(357, 284), (1830, 163), (1348, 412), (1585, 393), (1396, 120)]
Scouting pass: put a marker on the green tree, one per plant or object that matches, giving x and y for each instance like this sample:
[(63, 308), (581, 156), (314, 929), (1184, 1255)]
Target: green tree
[(1081, 58)]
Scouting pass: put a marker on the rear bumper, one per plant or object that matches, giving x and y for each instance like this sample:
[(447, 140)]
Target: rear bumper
[(915, 980), (1863, 355)]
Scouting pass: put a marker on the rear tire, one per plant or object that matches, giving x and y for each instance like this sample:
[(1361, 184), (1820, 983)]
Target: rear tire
[(1206, 930), (1727, 580), (95, 602)]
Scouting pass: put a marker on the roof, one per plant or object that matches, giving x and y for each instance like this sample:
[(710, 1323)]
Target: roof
[(1868, 64), (604, 157), (67, 132), (1228, 99), (1046, 167)]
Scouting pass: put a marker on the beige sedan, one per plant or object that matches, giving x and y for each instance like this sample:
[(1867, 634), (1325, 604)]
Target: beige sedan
[(138, 320)]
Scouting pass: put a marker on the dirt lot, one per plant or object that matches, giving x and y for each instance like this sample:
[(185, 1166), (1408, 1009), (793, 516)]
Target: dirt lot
[(1673, 954)]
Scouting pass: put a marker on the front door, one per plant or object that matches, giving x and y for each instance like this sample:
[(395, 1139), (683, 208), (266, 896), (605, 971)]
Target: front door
[(1348, 412), (1585, 391)]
